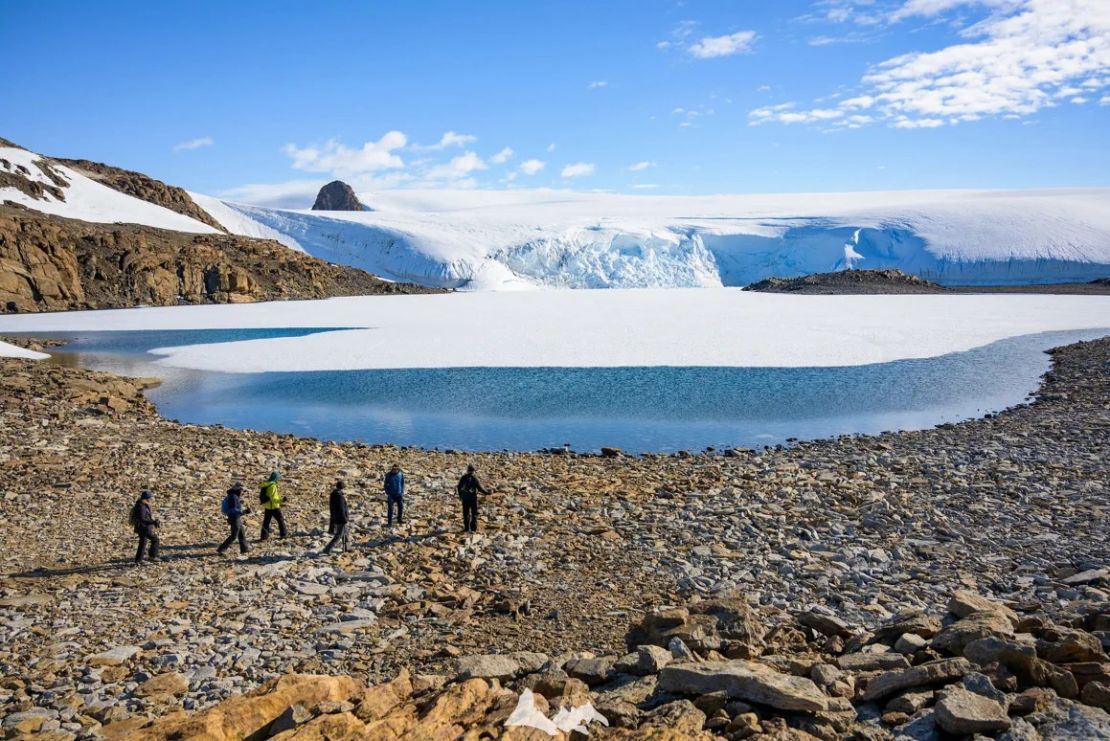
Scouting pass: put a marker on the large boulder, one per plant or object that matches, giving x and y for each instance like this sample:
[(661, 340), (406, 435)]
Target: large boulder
[(744, 680)]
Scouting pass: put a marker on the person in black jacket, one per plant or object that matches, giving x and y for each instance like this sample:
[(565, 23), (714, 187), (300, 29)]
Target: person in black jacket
[(233, 509), (468, 489), (143, 520), (337, 505)]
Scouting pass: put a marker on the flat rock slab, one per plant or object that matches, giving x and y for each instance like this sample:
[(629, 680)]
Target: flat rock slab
[(964, 713), (348, 626), (488, 666), (744, 680), (113, 656), (934, 672)]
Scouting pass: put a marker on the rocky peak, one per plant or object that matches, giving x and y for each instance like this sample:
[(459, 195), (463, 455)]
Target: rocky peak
[(337, 196)]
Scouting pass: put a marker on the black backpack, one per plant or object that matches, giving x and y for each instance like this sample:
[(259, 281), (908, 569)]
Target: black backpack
[(263, 497)]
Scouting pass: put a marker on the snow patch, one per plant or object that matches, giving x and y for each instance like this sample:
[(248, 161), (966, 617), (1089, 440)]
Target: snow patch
[(88, 200), (8, 350)]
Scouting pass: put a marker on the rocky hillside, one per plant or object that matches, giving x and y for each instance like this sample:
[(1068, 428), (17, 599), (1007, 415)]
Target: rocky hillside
[(51, 263), (144, 188), (337, 196)]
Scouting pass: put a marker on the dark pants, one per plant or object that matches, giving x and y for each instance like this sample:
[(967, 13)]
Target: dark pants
[(470, 512), (147, 535), (391, 500), (272, 514), (237, 532), (340, 534)]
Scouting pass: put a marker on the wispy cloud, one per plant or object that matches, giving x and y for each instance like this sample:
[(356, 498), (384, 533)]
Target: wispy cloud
[(449, 139), (597, 84), (711, 47), (531, 167), (678, 36), (187, 146), (577, 170), (502, 156), (640, 166), (1026, 55)]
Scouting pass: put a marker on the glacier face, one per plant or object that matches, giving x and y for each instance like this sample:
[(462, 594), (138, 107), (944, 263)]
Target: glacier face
[(499, 240)]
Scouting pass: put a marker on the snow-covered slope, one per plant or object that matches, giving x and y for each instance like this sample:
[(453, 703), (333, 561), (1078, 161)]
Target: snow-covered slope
[(507, 239), (236, 222), (84, 198)]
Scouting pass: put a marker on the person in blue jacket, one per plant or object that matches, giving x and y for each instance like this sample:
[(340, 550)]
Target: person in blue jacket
[(233, 509), (395, 494)]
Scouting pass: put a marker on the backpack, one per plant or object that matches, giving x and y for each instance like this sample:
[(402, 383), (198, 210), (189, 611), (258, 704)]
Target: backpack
[(264, 495), (133, 516), (225, 506)]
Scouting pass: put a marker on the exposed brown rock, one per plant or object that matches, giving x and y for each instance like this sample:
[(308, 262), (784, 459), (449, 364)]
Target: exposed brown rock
[(49, 263)]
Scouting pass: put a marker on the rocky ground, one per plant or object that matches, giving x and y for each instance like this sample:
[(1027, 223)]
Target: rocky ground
[(573, 549), (891, 281)]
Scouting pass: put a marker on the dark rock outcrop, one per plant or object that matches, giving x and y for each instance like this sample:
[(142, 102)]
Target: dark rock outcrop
[(337, 196), (849, 281)]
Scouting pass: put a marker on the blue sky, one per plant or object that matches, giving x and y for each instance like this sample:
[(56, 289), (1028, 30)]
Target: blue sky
[(264, 101)]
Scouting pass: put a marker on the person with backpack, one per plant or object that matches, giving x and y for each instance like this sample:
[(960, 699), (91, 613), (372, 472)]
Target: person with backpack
[(142, 520), (337, 505), (271, 501), (233, 509), (468, 489), (395, 494)]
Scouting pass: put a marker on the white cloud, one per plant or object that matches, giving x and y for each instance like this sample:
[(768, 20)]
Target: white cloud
[(640, 166), (459, 167), (551, 147), (531, 167), (203, 141), (502, 156), (645, 186), (1104, 100), (723, 46), (449, 139), (596, 84), (1026, 55), (343, 161), (577, 170)]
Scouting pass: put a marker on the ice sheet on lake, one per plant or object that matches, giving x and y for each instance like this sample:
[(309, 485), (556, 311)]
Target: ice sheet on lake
[(565, 328)]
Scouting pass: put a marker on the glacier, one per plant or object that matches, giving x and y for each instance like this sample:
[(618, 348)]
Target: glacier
[(549, 238)]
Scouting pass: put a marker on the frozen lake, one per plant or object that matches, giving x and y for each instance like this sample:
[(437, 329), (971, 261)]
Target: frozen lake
[(639, 409)]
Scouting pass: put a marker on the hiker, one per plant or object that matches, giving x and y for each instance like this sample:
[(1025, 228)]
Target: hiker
[(337, 504), (395, 494), (271, 501), (233, 509), (142, 519), (468, 489)]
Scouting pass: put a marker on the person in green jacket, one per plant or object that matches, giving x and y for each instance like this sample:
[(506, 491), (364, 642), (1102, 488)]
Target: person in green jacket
[(271, 501)]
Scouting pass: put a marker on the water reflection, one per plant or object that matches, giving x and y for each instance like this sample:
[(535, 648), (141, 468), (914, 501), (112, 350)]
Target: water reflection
[(638, 409)]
